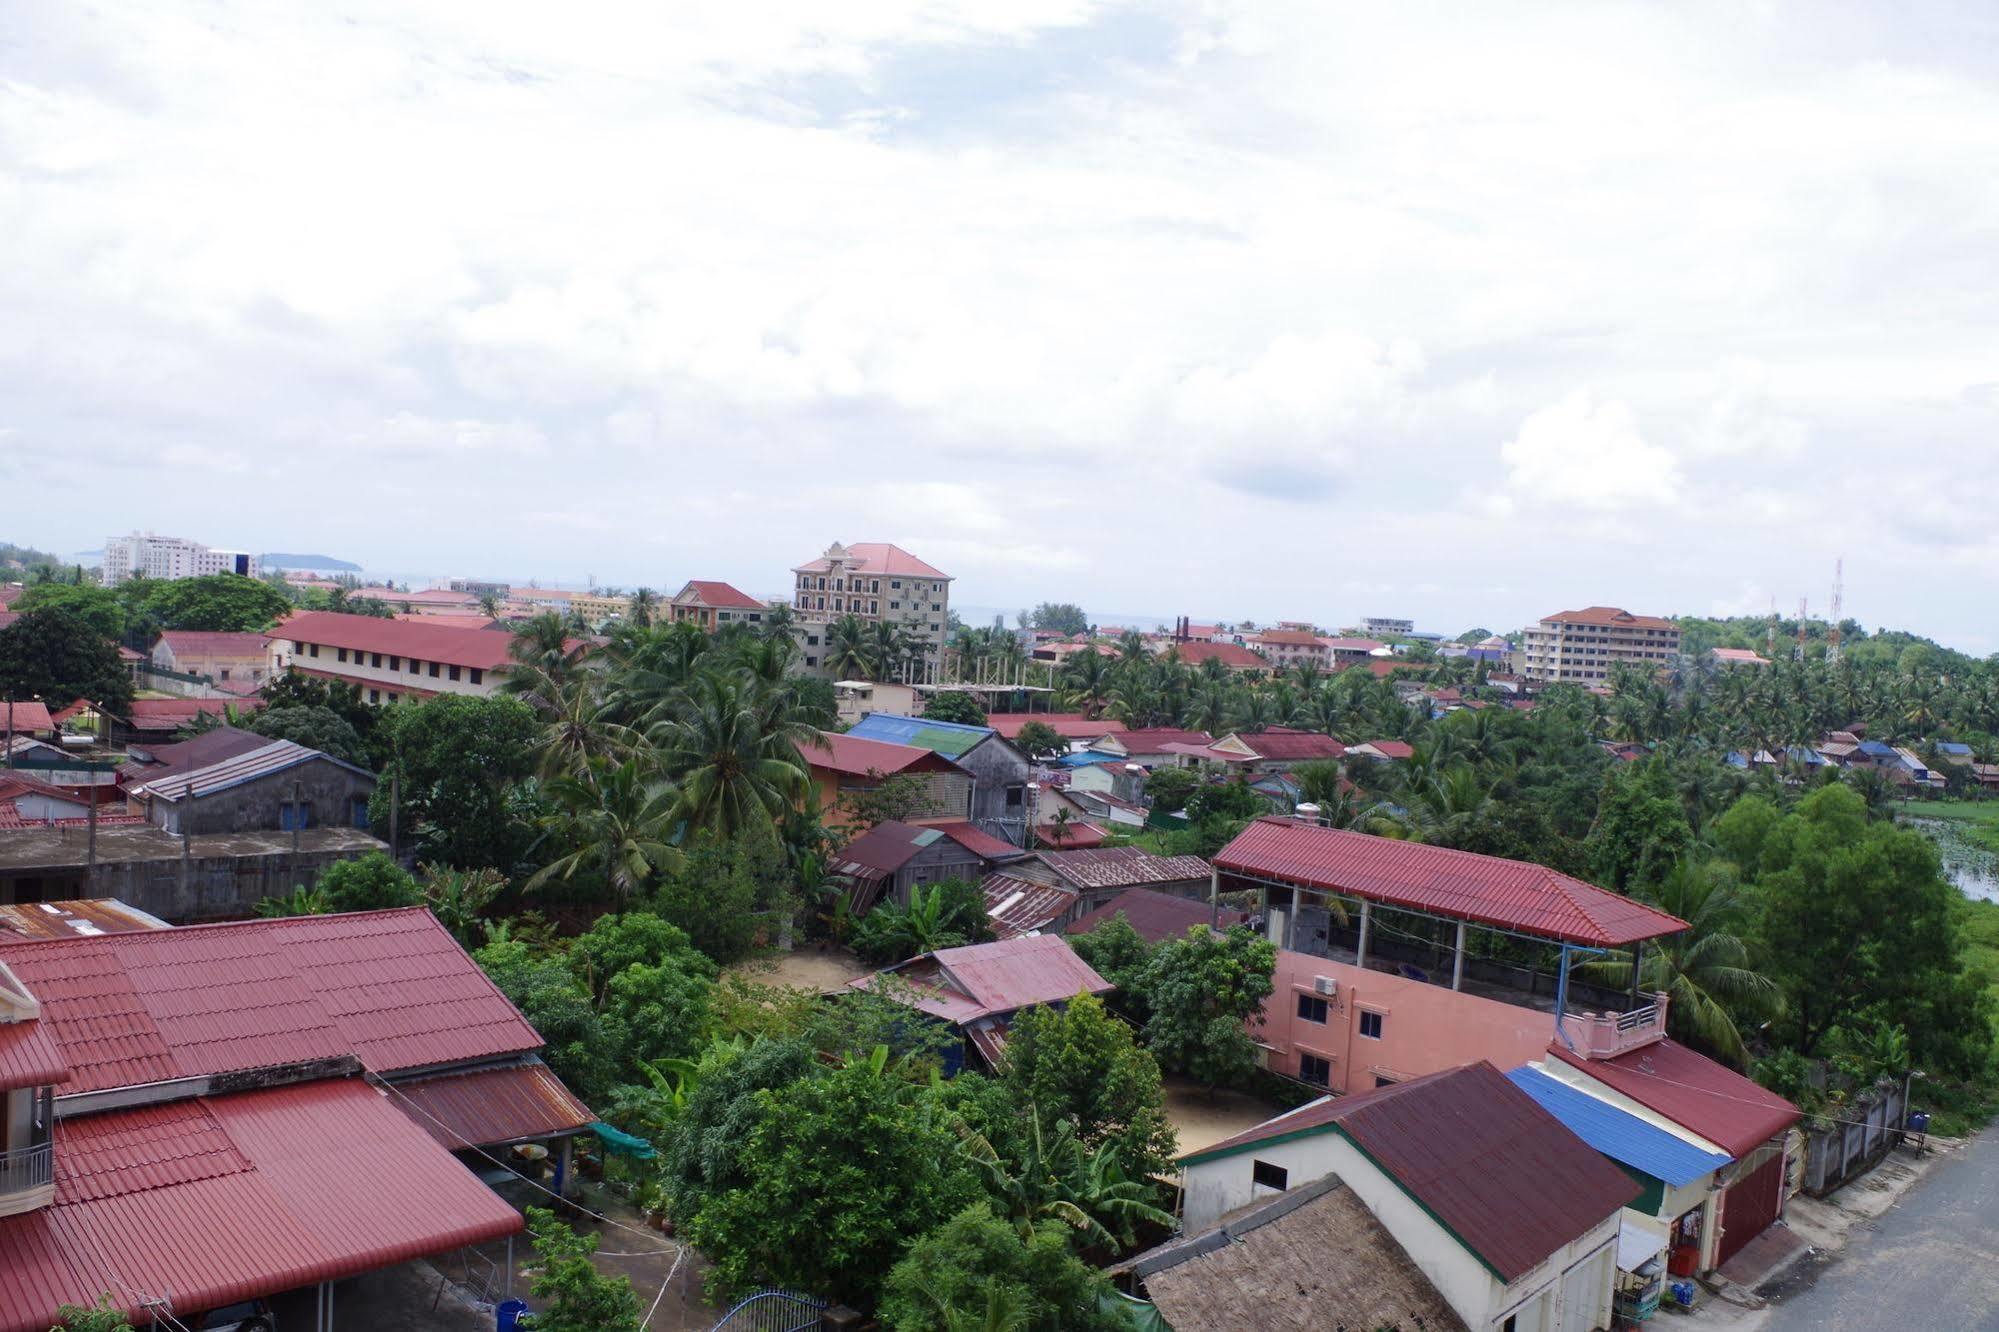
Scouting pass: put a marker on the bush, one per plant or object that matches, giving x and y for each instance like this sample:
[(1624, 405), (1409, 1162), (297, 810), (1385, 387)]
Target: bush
[(579, 1297), (371, 883), (976, 1270)]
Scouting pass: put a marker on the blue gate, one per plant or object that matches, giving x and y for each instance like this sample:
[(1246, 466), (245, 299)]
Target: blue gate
[(773, 1311)]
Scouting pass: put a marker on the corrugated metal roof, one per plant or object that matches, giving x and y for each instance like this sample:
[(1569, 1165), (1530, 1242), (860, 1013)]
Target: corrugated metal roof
[(1719, 1104), (219, 1200), (1460, 885), (1122, 867), (479, 649), (493, 1106), (1617, 1133), (1499, 1172), (886, 847), (990, 1042), (985, 980), (274, 757), (1155, 915), (1021, 906), (1068, 725), (29, 1057), (858, 756), (1293, 746), (73, 919), (172, 714), (390, 987), (25, 716), (950, 739), (979, 842)]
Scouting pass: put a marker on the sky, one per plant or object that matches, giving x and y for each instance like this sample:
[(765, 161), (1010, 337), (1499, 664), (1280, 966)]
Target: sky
[(1237, 308)]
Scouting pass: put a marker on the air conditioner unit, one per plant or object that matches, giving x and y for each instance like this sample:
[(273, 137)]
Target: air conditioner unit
[(1325, 985)]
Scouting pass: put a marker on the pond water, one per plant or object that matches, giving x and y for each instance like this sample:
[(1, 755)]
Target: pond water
[(1972, 868)]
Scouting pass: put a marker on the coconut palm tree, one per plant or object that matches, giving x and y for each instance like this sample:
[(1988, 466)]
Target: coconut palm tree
[(619, 824), (642, 607), (849, 654), (1088, 678), (579, 726), (543, 660), (734, 753)]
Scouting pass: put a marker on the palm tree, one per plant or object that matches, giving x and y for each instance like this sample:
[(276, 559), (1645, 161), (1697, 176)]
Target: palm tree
[(734, 753), (1058, 827), (1089, 679), (849, 655), (618, 824), (779, 621), (579, 726), (489, 605), (1057, 1179), (542, 659), (644, 604), (1705, 969)]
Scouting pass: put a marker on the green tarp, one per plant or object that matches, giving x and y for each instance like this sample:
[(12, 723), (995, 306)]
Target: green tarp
[(622, 1143)]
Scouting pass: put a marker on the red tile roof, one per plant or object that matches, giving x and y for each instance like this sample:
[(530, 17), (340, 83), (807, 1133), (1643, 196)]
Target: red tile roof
[(224, 1199), (1068, 725), (857, 757), (1719, 1104), (1155, 915), (26, 716), (203, 643), (1610, 616), (720, 596), (29, 1057), (1459, 885), (1285, 746), (391, 987), (419, 639), (1505, 1177), (1290, 638), (878, 558), (493, 1106), (1228, 654), (979, 842)]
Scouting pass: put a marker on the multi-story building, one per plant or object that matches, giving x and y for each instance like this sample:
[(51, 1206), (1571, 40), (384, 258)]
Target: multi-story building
[(1580, 646), (148, 555), (873, 581), (392, 660), (1383, 627), (594, 606), (710, 605), (1292, 647)]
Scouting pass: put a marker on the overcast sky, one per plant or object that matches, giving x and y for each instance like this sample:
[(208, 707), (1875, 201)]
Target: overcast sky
[(1468, 313)]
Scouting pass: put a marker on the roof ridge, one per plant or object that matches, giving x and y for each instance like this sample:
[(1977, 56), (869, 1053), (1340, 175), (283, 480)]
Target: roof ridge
[(266, 922)]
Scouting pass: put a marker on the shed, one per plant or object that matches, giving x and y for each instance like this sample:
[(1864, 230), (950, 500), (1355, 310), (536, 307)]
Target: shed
[(892, 857), (281, 785)]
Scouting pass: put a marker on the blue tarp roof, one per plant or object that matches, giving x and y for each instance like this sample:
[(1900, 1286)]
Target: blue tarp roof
[(1617, 1133), (939, 737), (1084, 757)]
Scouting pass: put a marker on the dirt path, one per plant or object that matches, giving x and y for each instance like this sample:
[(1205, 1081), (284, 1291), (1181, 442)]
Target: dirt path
[(805, 968), (1203, 1119)]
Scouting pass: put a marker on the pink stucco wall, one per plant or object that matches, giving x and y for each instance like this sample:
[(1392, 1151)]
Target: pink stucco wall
[(1423, 1027)]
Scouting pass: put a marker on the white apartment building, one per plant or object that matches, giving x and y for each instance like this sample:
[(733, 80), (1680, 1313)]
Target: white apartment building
[(873, 581), (1381, 626), (149, 555), (1580, 646)]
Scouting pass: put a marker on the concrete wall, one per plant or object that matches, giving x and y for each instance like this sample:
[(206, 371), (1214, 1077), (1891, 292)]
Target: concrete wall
[(1424, 1027), (255, 806), (217, 888)]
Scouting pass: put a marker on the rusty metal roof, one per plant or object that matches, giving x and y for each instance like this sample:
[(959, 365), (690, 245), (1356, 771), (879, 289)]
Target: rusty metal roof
[(1504, 1176), (494, 1106), (1734, 1113), (978, 841), (1017, 906), (1122, 867), (1458, 885), (392, 988), (78, 919), (1155, 915), (225, 1199)]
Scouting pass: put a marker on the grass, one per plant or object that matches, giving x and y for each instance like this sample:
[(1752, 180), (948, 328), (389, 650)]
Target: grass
[(1978, 819)]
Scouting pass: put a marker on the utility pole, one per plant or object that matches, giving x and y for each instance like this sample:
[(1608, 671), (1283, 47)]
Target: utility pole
[(395, 802)]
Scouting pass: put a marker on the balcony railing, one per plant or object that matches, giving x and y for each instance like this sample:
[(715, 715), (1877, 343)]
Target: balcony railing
[(1607, 1035), (27, 1168)]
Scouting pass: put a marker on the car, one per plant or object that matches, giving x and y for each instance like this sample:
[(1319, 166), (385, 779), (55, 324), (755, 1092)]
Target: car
[(249, 1316)]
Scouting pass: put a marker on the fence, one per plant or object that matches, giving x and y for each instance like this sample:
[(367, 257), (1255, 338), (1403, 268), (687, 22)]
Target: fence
[(773, 1311), (1840, 1152), (27, 1168)]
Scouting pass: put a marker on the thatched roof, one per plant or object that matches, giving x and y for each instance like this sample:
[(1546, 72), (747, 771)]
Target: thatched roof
[(1313, 1260)]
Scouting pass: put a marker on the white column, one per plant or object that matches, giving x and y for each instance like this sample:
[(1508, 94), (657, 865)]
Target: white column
[(1366, 919), (1458, 960)]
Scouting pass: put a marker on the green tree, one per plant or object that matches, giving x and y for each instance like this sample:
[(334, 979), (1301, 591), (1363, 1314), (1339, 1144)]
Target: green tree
[(1169, 789), (1038, 740), (1120, 954), (104, 1316), (612, 827), (838, 1171), (577, 1297), (98, 607), (654, 1012), (1202, 988), (714, 896), (1061, 616), (1227, 800), (1641, 828), (616, 942), (224, 603), (559, 1008), (733, 750), (370, 883), (460, 898), (897, 798), (57, 656), (704, 1156), (1083, 1065), (300, 902), (954, 705), (315, 728), (978, 1272), (460, 760), (939, 915)]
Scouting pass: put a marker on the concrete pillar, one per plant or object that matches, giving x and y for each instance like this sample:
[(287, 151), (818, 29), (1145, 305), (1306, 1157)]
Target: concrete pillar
[(1366, 920), (1214, 898), (1291, 921), (1458, 960)]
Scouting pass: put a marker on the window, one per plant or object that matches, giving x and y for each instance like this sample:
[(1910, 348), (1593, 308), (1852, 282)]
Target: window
[(812, 640), (293, 816), (315, 649), (1312, 1008), (374, 696), (225, 672), (375, 660), (433, 670), (895, 605), (895, 585), (454, 672), (811, 661), (1313, 1069), (1268, 1176), (342, 652), (1380, 1081), (1014, 795), (478, 675), (395, 663), (1370, 1024), (297, 648)]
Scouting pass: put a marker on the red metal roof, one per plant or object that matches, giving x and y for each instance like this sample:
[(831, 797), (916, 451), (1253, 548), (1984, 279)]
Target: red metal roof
[(858, 756), (26, 716), (1610, 616), (1155, 915), (1504, 1176), (1393, 749), (1077, 835), (493, 1106), (979, 842), (219, 1200), (1068, 725), (1461, 885), (1149, 740), (171, 714), (1719, 1104), (1285, 746), (29, 1057), (391, 987), (962, 985), (149, 761), (720, 596), (1228, 654), (480, 649)]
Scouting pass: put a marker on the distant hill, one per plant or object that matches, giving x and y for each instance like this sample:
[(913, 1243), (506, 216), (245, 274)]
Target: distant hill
[(282, 561)]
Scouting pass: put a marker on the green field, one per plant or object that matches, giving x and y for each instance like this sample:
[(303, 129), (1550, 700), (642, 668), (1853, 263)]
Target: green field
[(1977, 820)]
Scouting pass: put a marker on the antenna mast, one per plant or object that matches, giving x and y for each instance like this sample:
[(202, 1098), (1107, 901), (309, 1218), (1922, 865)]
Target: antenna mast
[(1803, 610), (1838, 599)]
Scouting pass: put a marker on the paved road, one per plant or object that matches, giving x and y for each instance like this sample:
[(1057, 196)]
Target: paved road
[(1932, 1261)]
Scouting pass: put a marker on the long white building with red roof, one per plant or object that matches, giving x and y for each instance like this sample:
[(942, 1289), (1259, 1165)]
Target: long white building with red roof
[(391, 660)]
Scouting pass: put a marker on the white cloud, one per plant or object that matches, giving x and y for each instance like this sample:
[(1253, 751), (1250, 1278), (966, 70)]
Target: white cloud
[(1589, 454)]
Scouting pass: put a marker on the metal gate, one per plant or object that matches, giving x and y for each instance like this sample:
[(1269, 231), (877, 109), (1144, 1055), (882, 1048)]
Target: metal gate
[(1749, 1205), (773, 1311)]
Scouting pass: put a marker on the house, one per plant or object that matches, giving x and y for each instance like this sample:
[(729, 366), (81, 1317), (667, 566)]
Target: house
[(710, 605), (1337, 1019), (206, 1115), (392, 660), (1101, 874), (1001, 774), (977, 989), (1080, 731), (855, 699), (1155, 915), (26, 717), (1954, 753), (1236, 660), (1391, 751), (1293, 647), (1581, 646), (1715, 1109), (891, 858), (1146, 746), (1075, 835), (1278, 748), (1733, 658), (154, 718), (1017, 906), (224, 658), (845, 767), (147, 759), (1109, 777), (1511, 1217), (281, 784), (1344, 652)]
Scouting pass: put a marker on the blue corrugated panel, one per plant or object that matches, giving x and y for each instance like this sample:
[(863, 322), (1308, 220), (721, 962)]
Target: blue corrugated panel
[(939, 737), (1617, 1133), (1083, 758)]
